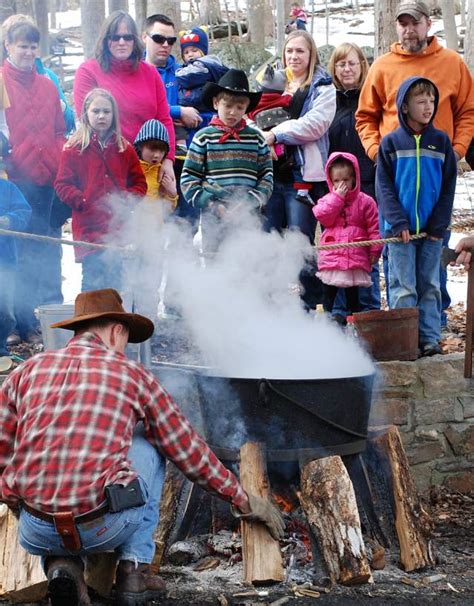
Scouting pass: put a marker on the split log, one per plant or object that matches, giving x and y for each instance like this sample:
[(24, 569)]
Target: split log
[(22, 578), (260, 552), (169, 510), (412, 522), (328, 499)]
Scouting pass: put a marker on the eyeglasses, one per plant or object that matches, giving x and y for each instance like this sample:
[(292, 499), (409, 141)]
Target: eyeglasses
[(344, 64), (159, 39), (124, 37)]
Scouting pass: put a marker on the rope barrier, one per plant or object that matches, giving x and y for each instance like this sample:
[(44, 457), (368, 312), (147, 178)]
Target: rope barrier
[(20, 234), (130, 249)]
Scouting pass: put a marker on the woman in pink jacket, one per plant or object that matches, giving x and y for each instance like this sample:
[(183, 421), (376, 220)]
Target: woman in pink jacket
[(347, 215), (135, 85)]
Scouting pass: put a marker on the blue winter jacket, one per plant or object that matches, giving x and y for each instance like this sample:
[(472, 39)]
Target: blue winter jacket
[(192, 77), (415, 178), (168, 76), (13, 206)]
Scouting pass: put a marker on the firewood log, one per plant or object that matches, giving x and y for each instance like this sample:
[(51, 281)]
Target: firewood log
[(21, 576), (412, 522), (329, 502), (261, 553)]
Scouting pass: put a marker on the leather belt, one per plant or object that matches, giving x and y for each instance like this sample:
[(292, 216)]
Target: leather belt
[(80, 519)]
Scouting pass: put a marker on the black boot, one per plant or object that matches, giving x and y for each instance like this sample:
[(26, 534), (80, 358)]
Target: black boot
[(66, 585)]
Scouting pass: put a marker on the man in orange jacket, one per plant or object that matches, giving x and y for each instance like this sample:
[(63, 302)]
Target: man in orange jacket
[(416, 54)]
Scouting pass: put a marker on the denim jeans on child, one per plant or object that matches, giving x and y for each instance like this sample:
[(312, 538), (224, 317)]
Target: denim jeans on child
[(129, 532), (7, 318), (414, 282)]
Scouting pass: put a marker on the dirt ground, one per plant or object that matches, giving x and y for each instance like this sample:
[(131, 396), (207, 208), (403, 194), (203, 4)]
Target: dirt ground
[(453, 514)]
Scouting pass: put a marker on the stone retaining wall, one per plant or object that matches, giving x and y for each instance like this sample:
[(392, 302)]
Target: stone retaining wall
[(433, 406)]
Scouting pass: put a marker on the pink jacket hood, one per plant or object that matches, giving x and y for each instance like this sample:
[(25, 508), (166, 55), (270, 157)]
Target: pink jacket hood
[(353, 193)]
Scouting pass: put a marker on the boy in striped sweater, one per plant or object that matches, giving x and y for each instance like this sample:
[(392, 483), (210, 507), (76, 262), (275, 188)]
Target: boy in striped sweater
[(228, 162)]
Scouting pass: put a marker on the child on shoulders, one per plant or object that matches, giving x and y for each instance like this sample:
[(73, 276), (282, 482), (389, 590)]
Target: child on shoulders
[(415, 185), (197, 69), (98, 166), (298, 16), (347, 215)]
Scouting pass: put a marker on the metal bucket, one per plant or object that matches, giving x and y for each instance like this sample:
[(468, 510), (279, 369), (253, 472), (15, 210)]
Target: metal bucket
[(390, 335), (54, 338)]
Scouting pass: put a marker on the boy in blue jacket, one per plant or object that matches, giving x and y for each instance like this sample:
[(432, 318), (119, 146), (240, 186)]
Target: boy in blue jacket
[(15, 213), (415, 185)]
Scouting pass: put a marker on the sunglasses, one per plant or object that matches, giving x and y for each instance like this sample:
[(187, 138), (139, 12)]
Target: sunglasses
[(159, 39), (124, 37)]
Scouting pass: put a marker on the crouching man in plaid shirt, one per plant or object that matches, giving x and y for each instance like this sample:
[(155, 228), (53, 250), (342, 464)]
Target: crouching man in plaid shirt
[(84, 433)]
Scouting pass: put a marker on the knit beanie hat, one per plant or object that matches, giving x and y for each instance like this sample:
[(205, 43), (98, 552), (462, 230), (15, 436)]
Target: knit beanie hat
[(152, 130), (194, 37)]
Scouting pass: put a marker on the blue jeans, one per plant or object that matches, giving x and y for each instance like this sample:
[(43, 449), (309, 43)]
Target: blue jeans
[(52, 285), (33, 262), (7, 318), (129, 532), (369, 298), (414, 282), (284, 210), (102, 270)]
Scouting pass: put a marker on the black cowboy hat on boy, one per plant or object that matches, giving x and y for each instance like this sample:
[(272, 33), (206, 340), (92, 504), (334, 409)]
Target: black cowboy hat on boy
[(234, 82), (107, 303)]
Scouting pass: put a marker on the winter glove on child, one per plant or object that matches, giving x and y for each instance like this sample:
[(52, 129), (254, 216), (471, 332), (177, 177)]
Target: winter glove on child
[(261, 510)]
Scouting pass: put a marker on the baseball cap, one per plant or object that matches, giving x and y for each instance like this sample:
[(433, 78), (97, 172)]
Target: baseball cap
[(415, 9)]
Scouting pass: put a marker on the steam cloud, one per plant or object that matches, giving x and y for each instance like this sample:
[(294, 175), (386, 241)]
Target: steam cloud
[(238, 305)]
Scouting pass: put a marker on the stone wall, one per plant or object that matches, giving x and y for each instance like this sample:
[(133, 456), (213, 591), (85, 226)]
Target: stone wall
[(433, 406)]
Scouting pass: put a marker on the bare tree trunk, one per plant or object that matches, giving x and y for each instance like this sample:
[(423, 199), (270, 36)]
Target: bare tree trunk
[(92, 17), (280, 23), (463, 13), (385, 32), (210, 12), (256, 17), (52, 13), (118, 5), (41, 17), (24, 7), (469, 36), (170, 8), (449, 21), (141, 13)]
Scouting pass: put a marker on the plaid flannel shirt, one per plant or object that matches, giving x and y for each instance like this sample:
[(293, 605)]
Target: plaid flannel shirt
[(66, 424)]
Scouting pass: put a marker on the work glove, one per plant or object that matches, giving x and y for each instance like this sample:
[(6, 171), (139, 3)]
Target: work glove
[(261, 510)]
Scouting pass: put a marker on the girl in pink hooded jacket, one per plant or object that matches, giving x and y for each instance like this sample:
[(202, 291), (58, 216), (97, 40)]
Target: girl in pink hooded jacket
[(347, 215)]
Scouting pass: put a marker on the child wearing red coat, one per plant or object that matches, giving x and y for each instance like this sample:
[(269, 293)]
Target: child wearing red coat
[(347, 215), (98, 166)]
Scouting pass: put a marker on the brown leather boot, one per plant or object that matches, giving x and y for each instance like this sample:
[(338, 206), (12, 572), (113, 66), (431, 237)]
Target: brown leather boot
[(66, 583), (136, 585)]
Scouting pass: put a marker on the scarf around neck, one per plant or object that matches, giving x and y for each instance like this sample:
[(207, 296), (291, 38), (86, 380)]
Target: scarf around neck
[(228, 131)]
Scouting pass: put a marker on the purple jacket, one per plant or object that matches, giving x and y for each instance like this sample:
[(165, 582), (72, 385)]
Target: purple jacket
[(348, 219)]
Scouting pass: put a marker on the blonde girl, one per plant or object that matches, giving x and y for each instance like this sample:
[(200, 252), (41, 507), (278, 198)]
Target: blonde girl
[(97, 167)]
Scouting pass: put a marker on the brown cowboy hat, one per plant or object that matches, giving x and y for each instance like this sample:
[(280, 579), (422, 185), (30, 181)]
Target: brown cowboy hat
[(107, 303)]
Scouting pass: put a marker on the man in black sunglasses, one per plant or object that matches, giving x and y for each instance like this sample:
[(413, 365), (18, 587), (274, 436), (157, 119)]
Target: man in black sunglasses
[(159, 37)]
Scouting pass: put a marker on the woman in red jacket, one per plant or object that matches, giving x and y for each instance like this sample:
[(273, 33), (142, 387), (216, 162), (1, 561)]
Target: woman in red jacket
[(136, 85), (96, 164), (36, 135)]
